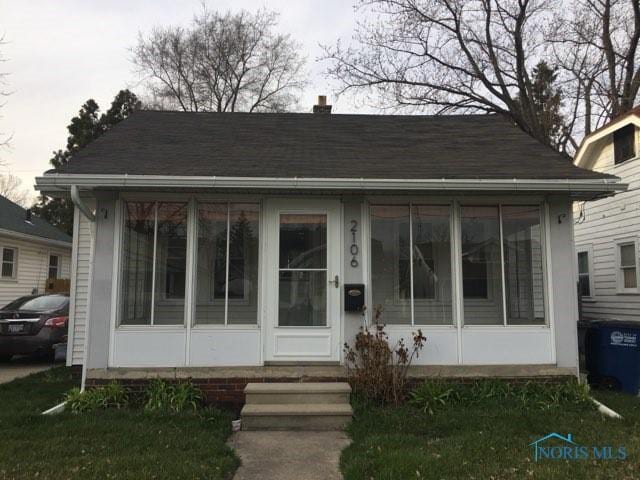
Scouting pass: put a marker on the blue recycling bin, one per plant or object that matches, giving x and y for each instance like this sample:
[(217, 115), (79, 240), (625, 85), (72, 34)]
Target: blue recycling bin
[(613, 355)]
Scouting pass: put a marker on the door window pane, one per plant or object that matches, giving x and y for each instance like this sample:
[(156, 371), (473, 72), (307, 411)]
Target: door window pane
[(303, 299), (524, 279), (243, 264), (390, 263), (431, 265), (481, 266), (171, 263), (303, 241), (137, 263)]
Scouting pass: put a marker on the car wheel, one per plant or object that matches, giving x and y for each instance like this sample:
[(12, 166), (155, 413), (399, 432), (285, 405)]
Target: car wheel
[(5, 358)]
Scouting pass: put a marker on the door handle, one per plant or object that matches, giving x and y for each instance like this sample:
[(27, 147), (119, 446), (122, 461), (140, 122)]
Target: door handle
[(335, 281)]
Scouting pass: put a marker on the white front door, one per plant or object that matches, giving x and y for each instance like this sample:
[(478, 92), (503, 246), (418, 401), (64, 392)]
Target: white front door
[(303, 280)]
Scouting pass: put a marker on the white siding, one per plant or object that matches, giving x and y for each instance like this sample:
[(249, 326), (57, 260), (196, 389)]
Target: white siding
[(83, 252), (33, 267), (605, 222)]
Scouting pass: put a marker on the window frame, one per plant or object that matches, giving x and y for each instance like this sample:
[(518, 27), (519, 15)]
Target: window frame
[(620, 132), (411, 301), (621, 289), (588, 249), (57, 266), (501, 203), (14, 263)]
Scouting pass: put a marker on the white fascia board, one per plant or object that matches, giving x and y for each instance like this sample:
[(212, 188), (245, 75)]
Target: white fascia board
[(34, 238), (63, 182)]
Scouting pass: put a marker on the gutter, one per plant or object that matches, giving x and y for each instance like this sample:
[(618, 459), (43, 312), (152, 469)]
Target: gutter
[(78, 202), (64, 182)]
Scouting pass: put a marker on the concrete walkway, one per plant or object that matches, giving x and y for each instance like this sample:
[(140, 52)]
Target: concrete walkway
[(289, 455), (20, 367)]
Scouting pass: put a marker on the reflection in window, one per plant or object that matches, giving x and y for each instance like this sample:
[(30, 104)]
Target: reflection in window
[(303, 270), (227, 235), (524, 278), (481, 265), (154, 242), (411, 239)]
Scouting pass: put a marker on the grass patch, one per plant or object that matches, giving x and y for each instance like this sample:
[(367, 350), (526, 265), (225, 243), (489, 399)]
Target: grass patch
[(487, 440), (127, 443)]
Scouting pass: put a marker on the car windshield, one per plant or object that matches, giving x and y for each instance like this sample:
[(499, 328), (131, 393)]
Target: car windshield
[(39, 304)]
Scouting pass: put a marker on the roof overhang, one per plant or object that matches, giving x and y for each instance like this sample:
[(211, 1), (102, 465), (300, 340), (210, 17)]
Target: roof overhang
[(34, 238), (58, 183)]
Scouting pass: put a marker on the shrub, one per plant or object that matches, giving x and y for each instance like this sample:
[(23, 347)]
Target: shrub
[(377, 369), (166, 397), (112, 395), (435, 394)]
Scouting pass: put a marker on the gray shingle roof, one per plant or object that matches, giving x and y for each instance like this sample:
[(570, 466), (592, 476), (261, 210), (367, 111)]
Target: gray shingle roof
[(322, 146), (13, 217)]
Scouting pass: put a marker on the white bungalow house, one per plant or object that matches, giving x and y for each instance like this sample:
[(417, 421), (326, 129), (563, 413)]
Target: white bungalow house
[(607, 230), (250, 241), (33, 253)]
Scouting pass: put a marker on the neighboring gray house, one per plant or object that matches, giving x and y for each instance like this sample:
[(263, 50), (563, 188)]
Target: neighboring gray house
[(232, 239), (607, 230), (32, 252)]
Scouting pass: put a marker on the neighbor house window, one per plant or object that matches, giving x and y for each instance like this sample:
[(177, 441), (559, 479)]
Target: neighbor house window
[(502, 265), (227, 263), (154, 263), (627, 263), (411, 263), (9, 259), (54, 263), (584, 276), (624, 143)]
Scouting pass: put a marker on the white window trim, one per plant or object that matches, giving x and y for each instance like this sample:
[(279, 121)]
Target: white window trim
[(58, 266), (14, 272), (588, 249), (621, 290)]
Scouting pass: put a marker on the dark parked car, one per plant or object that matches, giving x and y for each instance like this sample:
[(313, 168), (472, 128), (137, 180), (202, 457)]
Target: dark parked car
[(33, 325)]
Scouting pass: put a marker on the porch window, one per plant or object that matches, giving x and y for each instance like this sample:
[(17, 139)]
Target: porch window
[(502, 265), (154, 263), (411, 263), (227, 263)]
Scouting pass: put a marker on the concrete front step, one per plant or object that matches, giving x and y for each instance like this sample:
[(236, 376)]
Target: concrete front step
[(297, 393), (307, 416)]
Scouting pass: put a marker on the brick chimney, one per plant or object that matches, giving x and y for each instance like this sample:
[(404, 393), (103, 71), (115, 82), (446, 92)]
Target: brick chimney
[(322, 106)]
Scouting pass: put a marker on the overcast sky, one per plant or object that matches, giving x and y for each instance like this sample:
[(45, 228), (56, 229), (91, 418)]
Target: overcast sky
[(62, 52)]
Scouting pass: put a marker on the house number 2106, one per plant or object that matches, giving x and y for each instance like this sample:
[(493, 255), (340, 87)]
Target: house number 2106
[(354, 250)]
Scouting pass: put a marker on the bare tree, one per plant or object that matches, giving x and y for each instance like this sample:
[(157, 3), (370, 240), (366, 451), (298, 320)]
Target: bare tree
[(595, 43), (221, 62), (448, 56), (461, 56), (12, 188), (4, 138)]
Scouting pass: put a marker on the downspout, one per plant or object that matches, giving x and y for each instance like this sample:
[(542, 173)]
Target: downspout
[(82, 207)]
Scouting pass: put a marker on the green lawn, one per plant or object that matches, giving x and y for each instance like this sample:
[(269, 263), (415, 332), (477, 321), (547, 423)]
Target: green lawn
[(487, 441), (105, 444)]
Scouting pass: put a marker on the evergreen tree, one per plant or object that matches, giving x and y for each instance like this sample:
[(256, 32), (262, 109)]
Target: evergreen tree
[(83, 129)]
